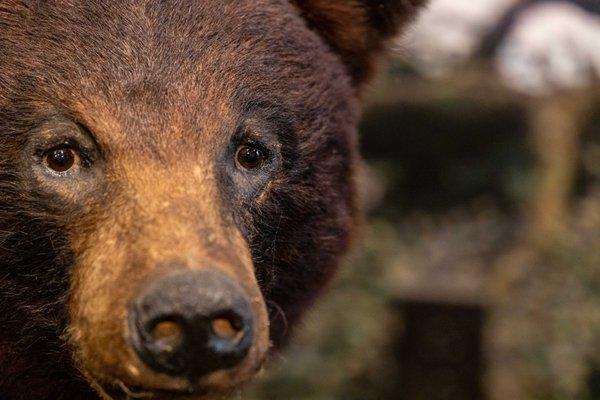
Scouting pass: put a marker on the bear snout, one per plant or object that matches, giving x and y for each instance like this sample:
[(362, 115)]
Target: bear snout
[(190, 323), (185, 333)]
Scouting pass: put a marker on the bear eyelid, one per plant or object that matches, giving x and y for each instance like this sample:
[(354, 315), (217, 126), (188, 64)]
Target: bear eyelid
[(69, 132)]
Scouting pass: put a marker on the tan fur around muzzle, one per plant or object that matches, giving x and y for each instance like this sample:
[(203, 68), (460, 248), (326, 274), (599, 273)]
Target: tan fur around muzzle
[(164, 219)]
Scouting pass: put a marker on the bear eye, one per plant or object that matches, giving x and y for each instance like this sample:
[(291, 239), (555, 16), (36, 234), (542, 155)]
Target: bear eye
[(61, 159), (250, 157)]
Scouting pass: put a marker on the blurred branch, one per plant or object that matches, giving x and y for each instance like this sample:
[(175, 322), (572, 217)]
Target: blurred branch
[(477, 82), (556, 124)]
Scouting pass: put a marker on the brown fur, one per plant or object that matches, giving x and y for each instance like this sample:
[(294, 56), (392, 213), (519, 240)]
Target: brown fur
[(162, 91), (358, 29)]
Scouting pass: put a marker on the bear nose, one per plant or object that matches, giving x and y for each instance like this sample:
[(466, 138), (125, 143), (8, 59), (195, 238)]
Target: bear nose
[(190, 323)]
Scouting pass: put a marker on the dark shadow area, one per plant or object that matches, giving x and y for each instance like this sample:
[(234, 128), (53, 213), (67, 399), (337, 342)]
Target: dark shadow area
[(594, 384), (440, 352), (441, 156)]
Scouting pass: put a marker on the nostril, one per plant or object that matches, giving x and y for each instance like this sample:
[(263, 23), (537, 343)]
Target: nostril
[(159, 341), (228, 327), (167, 335)]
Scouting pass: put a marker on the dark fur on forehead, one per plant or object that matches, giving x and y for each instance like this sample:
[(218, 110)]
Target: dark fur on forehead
[(358, 29)]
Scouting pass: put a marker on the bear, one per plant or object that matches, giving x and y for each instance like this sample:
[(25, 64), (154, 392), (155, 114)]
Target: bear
[(177, 185)]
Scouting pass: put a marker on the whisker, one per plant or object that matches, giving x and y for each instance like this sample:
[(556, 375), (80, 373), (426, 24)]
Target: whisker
[(131, 394), (281, 313)]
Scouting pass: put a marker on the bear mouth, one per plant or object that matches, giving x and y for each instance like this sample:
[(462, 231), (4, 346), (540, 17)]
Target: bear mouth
[(120, 391)]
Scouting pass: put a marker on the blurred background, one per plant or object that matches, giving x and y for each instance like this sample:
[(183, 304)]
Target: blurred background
[(478, 275)]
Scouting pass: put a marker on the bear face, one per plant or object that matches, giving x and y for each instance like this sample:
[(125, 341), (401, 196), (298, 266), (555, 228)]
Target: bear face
[(176, 185)]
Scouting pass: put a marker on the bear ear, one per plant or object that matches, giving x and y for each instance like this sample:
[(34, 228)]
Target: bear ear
[(357, 30)]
